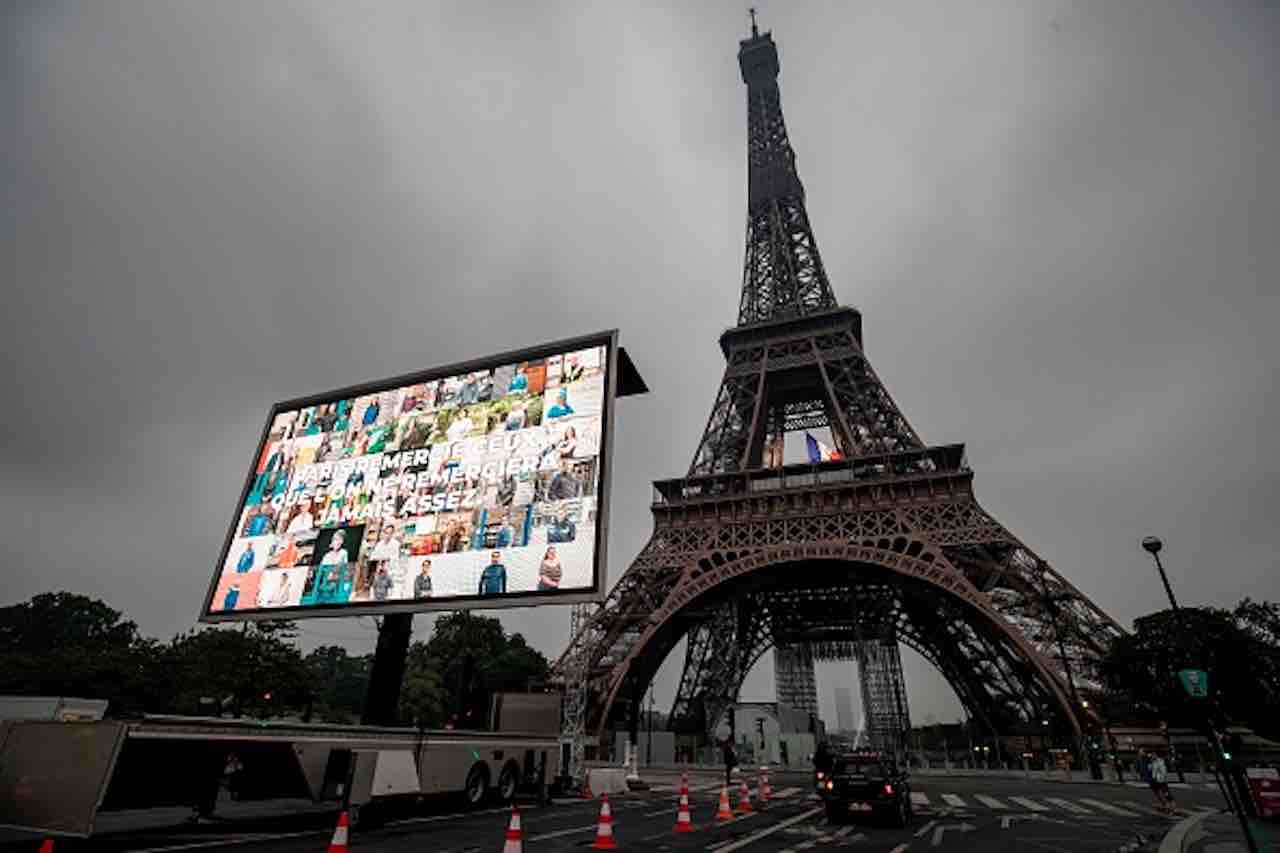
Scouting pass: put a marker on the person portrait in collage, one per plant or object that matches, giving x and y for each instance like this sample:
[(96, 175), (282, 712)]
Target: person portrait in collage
[(475, 485)]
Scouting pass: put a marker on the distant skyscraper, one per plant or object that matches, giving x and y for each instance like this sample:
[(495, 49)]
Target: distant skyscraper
[(844, 710)]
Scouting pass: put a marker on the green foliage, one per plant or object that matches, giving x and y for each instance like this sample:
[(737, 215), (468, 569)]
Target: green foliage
[(62, 644), (254, 670), (1239, 651), (423, 698), (474, 657), (70, 645), (60, 620), (338, 682)]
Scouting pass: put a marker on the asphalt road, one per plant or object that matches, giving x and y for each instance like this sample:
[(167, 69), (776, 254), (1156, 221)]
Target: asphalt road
[(952, 813)]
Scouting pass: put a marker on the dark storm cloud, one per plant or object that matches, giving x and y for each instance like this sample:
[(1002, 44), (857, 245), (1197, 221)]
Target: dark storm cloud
[(1058, 219)]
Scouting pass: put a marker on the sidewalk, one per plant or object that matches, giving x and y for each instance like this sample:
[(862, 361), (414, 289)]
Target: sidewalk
[(1219, 832)]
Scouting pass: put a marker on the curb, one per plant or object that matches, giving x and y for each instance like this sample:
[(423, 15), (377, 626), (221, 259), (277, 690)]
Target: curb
[(1172, 842)]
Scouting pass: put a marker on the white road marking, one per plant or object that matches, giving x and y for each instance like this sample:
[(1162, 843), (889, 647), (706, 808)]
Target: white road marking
[(1109, 808), (559, 833), (924, 830), (1029, 804), (787, 792), (919, 799), (222, 842), (1067, 804), (953, 800), (770, 830), (942, 830), (898, 849), (1141, 808), (272, 836), (843, 831), (989, 802)]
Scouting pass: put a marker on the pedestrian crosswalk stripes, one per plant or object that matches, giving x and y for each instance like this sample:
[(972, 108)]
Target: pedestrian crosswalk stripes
[(1109, 808), (1029, 804), (942, 803)]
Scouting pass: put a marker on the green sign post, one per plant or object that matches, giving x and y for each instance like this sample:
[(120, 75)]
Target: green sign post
[(1195, 682)]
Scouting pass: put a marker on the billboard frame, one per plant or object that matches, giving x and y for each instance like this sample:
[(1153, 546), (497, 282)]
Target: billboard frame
[(578, 595)]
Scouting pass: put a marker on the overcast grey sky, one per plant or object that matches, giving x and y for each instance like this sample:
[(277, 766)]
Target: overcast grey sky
[(1059, 220)]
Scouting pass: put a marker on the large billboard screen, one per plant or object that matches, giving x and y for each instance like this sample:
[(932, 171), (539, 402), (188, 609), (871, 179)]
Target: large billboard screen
[(474, 486)]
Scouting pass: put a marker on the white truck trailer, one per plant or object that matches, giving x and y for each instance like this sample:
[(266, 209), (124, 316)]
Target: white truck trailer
[(56, 777)]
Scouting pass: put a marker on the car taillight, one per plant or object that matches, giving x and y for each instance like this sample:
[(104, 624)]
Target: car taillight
[(888, 789), (830, 784)]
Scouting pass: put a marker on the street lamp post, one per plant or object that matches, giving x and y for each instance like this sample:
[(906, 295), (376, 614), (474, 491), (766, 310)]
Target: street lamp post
[(1152, 545)]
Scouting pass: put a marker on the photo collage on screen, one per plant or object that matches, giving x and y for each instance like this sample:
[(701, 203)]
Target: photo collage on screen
[(475, 485)]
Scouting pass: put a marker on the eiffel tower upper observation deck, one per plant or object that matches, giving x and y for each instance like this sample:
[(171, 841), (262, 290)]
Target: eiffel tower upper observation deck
[(884, 544)]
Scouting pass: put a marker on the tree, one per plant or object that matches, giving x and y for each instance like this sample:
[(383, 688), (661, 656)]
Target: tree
[(253, 670), (423, 698), (338, 683), (1260, 622), (63, 644), (473, 657), (1236, 650)]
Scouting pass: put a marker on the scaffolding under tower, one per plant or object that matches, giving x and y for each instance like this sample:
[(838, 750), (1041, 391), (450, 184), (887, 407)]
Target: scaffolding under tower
[(884, 695)]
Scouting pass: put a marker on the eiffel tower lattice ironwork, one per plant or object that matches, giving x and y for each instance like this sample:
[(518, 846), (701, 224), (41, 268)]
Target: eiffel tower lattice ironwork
[(884, 545)]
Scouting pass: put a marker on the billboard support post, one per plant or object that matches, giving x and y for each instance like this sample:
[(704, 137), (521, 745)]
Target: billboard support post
[(382, 697)]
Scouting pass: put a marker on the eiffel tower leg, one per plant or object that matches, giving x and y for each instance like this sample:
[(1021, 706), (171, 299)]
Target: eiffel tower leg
[(718, 656)]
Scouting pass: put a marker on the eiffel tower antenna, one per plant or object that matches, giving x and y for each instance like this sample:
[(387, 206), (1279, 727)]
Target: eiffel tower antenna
[(755, 32), (877, 544)]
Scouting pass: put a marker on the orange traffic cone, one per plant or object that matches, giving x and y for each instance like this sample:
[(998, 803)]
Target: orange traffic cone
[(46, 846), (339, 842), (604, 828), (766, 790), (744, 799), (515, 838), (724, 812), (684, 821), (586, 787)]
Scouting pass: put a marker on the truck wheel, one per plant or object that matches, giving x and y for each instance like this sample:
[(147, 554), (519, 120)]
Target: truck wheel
[(508, 781), (477, 785)]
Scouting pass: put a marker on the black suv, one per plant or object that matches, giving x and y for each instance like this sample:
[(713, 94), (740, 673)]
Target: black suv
[(865, 783)]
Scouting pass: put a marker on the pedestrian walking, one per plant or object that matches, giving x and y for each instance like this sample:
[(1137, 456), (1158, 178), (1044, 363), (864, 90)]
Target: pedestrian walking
[(1160, 784), (730, 760)]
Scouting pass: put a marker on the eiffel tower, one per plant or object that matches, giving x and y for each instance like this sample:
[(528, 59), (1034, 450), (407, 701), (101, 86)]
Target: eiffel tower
[(884, 545)]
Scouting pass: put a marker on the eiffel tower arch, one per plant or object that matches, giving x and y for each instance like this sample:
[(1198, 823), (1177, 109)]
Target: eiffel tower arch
[(885, 544)]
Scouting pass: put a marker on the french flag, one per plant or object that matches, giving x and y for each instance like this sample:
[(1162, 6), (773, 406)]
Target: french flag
[(819, 452)]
